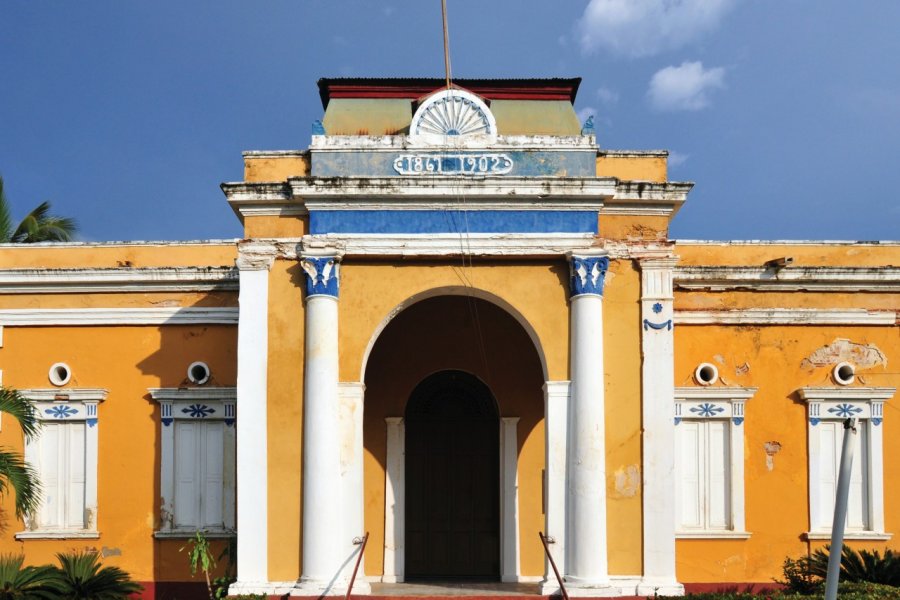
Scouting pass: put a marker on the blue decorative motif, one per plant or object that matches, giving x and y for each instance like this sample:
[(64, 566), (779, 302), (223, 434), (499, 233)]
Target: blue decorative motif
[(61, 412), (588, 274), (657, 308), (200, 411), (664, 325), (453, 164), (845, 410), (588, 127), (876, 422), (813, 421), (707, 410), (677, 420), (321, 275), (737, 420), (229, 415)]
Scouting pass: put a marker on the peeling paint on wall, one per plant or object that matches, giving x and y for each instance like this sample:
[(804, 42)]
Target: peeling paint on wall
[(861, 355), (107, 552), (772, 448), (627, 481)]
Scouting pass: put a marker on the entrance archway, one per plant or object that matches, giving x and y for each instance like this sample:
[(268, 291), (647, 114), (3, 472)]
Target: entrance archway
[(452, 479)]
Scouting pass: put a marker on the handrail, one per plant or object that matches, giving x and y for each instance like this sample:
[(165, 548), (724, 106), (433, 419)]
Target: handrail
[(361, 542), (546, 540)]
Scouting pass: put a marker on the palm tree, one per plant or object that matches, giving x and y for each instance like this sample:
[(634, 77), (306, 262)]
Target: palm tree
[(38, 226), (15, 473)]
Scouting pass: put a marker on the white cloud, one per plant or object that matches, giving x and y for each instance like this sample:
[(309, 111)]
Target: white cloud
[(586, 112), (676, 159), (607, 96), (685, 87), (645, 27)]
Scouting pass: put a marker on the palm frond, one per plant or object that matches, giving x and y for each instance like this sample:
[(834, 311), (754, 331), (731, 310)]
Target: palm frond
[(40, 226), (6, 222), (16, 473), (17, 406), (32, 583), (83, 577)]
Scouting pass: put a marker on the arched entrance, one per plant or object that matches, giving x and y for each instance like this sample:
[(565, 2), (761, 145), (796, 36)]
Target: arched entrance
[(452, 479)]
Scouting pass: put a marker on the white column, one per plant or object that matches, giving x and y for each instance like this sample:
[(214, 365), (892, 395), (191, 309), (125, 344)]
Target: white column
[(658, 441), (394, 498), (586, 559), (509, 505), (167, 466), (351, 436), (254, 261), (323, 544), (91, 452), (556, 420)]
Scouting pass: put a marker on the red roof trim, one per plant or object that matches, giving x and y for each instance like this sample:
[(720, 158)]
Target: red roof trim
[(531, 89)]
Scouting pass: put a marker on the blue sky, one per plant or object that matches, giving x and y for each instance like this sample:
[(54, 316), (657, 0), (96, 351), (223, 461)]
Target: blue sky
[(128, 115)]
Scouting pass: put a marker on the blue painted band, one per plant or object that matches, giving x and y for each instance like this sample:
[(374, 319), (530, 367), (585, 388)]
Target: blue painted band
[(452, 221)]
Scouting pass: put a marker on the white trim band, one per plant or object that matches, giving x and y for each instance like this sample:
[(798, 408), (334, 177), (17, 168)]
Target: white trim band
[(786, 316), (453, 244), (153, 279), (181, 315), (816, 279)]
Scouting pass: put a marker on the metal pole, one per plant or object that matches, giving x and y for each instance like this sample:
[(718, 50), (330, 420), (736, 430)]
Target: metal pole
[(840, 511)]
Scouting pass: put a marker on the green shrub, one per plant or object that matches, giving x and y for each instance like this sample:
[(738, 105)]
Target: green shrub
[(82, 578), (27, 583), (860, 566)]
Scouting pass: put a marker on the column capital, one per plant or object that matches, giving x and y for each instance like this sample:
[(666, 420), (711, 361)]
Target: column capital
[(322, 274), (587, 272), (255, 255)]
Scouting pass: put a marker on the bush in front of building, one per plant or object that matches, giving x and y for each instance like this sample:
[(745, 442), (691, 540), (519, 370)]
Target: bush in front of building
[(16, 581), (79, 576), (846, 591)]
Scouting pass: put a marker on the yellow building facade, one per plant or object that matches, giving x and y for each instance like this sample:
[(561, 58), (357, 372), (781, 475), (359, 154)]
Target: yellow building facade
[(454, 321)]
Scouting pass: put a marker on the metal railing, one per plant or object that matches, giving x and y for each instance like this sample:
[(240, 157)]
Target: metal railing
[(361, 542), (546, 541)]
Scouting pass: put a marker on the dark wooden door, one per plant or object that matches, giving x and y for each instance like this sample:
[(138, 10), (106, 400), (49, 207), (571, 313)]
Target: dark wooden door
[(452, 479)]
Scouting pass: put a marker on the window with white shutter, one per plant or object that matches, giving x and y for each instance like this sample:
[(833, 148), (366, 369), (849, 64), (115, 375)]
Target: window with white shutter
[(827, 409), (197, 460), (64, 455), (709, 461)]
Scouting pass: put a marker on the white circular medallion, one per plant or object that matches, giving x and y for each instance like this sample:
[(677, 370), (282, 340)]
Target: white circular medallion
[(451, 113)]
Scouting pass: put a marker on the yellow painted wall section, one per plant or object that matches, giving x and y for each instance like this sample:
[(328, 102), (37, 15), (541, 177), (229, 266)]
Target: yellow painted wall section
[(633, 229), (275, 227), (835, 254), (262, 167), (697, 300), (535, 117), (367, 116), (636, 167), (622, 358), (775, 360), (118, 254), (285, 419), (126, 361)]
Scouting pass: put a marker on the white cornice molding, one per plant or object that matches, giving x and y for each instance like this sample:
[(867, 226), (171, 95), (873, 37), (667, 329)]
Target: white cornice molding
[(714, 393), (452, 244), (69, 394), (121, 279), (570, 193), (825, 394), (225, 393), (818, 279), (394, 143), (41, 317), (785, 316)]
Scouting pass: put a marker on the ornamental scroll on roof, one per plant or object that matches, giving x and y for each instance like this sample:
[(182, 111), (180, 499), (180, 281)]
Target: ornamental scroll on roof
[(446, 116)]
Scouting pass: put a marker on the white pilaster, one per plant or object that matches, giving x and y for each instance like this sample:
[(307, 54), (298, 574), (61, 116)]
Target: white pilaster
[(657, 415), (254, 261), (351, 436), (394, 498), (324, 548), (509, 506), (586, 554), (556, 419)]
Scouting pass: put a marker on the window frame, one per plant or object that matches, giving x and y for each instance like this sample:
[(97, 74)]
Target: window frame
[(836, 404), (66, 405), (721, 404), (203, 405)]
